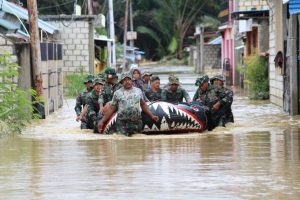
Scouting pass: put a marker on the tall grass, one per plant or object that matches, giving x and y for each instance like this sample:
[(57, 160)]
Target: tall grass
[(74, 83), (256, 77), (16, 105)]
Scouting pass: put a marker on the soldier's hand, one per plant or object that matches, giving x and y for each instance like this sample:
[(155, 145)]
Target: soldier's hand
[(100, 126), (78, 118), (155, 118), (217, 106)]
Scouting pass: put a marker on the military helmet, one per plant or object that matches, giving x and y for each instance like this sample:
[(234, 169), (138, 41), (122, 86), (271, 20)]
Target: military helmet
[(218, 77), (90, 77), (173, 80), (98, 80), (125, 75), (110, 72), (202, 80)]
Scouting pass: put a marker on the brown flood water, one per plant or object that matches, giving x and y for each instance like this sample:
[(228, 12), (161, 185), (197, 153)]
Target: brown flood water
[(257, 157)]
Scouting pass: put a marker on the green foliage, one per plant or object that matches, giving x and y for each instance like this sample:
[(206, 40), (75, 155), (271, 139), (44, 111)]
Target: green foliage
[(173, 45), (101, 31), (74, 84), (256, 76), (16, 107)]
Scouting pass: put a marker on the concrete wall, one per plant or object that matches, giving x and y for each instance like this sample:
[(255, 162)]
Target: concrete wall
[(275, 45), (77, 35), (211, 59), (249, 5)]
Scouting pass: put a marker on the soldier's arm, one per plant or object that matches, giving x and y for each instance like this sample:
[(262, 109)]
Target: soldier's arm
[(83, 113), (196, 95), (110, 109), (78, 105), (90, 108), (226, 96), (186, 96), (101, 103), (146, 110)]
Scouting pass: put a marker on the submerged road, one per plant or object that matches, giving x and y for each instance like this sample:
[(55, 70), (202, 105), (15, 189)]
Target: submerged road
[(257, 157)]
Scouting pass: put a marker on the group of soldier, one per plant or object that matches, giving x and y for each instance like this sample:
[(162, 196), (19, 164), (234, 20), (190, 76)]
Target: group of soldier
[(127, 95)]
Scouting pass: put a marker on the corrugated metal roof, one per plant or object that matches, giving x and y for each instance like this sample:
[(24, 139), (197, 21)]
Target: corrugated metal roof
[(216, 41), (22, 13), (294, 6), (8, 24)]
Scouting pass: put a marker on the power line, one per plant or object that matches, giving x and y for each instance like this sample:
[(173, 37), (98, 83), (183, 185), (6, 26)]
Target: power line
[(69, 2)]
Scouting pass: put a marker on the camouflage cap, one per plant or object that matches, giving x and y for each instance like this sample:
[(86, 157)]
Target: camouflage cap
[(90, 77), (173, 80), (202, 80), (147, 73), (98, 80), (218, 77), (110, 72), (125, 75)]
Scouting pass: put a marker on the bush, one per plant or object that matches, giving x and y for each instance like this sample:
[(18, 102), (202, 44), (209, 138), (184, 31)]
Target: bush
[(256, 77), (16, 107), (74, 84)]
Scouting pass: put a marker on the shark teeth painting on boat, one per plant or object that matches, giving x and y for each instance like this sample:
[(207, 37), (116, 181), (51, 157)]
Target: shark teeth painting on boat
[(179, 118)]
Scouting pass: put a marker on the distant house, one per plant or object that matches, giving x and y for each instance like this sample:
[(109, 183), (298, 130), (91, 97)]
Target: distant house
[(14, 40)]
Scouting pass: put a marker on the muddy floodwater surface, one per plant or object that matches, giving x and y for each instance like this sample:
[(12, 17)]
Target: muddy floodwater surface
[(257, 157)]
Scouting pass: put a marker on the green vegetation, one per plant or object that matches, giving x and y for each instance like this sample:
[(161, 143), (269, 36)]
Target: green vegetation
[(256, 77), (74, 84), (16, 107)]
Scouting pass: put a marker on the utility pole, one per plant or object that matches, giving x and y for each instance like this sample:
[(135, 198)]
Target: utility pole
[(125, 35), (35, 48), (131, 24), (112, 48), (90, 7)]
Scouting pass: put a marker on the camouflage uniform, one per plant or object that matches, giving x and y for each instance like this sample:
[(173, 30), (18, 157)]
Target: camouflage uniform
[(229, 97), (174, 97), (153, 96), (108, 88), (108, 91), (92, 98), (177, 96), (127, 102), (209, 98), (80, 103), (93, 108)]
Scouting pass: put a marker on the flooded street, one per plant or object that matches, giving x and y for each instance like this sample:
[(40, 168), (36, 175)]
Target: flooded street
[(257, 157)]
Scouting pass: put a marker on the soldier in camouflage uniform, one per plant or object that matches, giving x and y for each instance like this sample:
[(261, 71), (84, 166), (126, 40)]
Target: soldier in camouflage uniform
[(146, 77), (80, 101), (111, 85), (92, 103), (174, 94), (129, 103), (154, 93), (214, 100), (218, 82)]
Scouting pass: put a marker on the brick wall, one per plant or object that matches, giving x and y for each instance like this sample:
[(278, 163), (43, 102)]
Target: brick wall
[(75, 35), (7, 47), (249, 5)]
